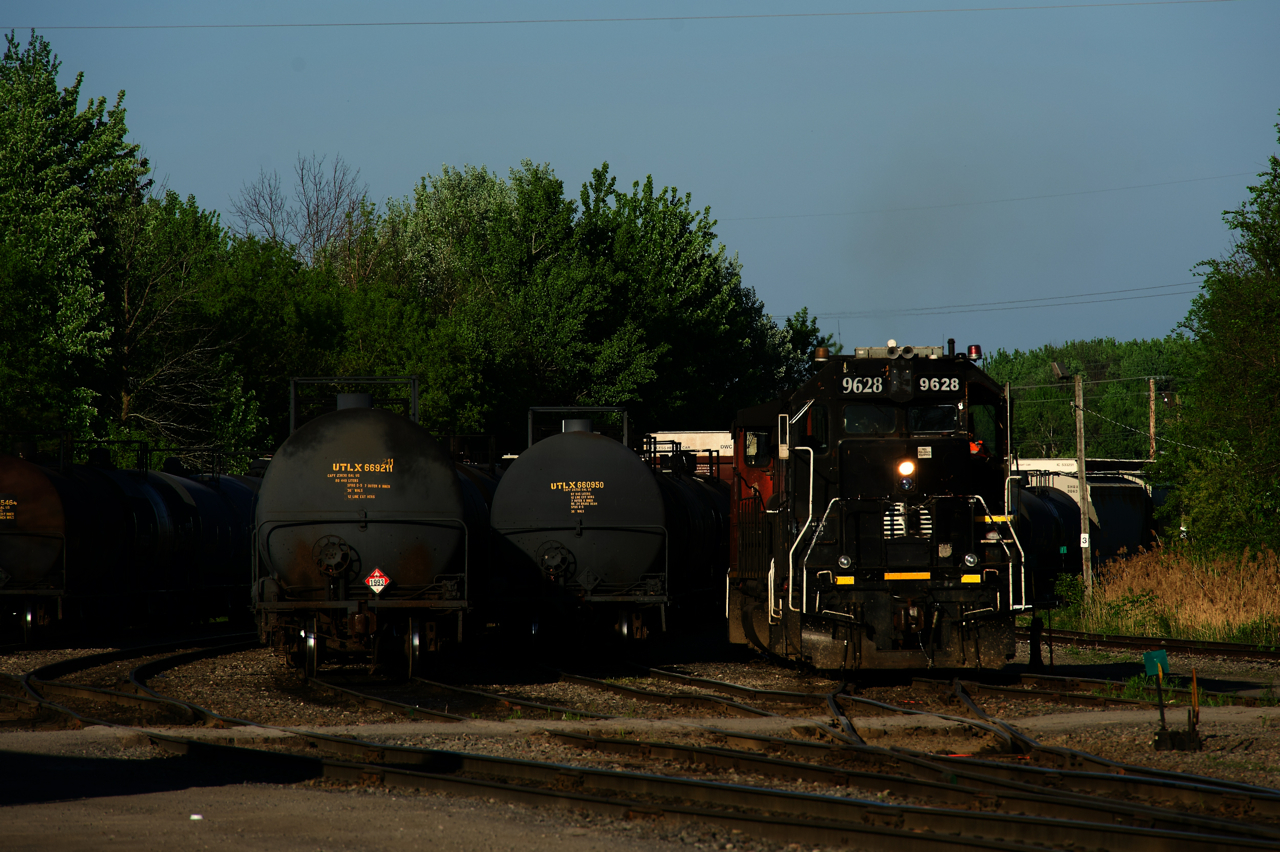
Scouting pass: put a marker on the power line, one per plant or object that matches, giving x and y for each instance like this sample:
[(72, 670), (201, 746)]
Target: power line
[(980, 203), (1023, 301), (1093, 382), (1141, 432), (628, 20), (973, 309)]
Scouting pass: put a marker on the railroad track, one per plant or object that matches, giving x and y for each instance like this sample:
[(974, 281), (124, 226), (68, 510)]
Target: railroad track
[(1046, 766), (1055, 808), (1148, 643)]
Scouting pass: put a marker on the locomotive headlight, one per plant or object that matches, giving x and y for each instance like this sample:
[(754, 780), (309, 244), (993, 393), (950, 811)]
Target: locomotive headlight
[(907, 467), (844, 561), (971, 559)]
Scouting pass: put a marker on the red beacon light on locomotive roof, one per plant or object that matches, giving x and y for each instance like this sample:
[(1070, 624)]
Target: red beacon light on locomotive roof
[(975, 352)]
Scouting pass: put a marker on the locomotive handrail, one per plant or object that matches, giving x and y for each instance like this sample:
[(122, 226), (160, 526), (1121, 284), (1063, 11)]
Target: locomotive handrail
[(772, 615), (791, 555), (1022, 560), (804, 603), (1021, 553)]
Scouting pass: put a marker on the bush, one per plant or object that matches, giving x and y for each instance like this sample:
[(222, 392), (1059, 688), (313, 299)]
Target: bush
[(1179, 593)]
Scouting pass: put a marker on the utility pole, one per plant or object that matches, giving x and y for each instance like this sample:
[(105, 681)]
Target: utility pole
[(1152, 418), (1085, 550)]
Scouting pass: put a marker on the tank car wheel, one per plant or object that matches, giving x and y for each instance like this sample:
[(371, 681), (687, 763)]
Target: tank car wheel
[(29, 624), (311, 649), (413, 648)]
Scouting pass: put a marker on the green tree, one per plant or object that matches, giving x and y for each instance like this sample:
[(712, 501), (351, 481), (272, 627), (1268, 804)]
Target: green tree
[(1116, 394), (171, 376), (1226, 468), (277, 319), (529, 298), (64, 171)]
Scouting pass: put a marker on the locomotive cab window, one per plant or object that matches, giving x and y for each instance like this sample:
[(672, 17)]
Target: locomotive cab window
[(756, 450), (933, 419), (864, 418), (815, 428), (982, 424)]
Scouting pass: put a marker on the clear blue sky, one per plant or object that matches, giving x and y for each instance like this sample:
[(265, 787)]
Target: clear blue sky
[(872, 165)]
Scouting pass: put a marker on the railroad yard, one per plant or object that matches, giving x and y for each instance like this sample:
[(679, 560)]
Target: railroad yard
[(695, 745)]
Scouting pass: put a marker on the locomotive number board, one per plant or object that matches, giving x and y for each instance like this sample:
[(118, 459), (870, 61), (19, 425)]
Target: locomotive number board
[(876, 384), (863, 384), (938, 383)]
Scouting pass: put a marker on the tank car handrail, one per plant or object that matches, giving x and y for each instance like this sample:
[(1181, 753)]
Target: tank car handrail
[(424, 519), (294, 518), (666, 539), (666, 536), (808, 521), (541, 527)]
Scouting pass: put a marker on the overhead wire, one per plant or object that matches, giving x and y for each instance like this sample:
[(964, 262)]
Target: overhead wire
[(1019, 301), (628, 19), (923, 312), (980, 203), (1146, 433)]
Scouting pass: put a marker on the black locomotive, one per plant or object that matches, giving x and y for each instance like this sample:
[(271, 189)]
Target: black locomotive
[(368, 539), (89, 547), (615, 536), (876, 521)]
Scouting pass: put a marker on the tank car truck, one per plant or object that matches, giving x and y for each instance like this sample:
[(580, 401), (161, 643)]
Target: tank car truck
[(368, 538), (876, 524)]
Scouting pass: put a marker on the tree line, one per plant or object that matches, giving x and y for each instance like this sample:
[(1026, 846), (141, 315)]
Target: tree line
[(129, 311), (1217, 381)]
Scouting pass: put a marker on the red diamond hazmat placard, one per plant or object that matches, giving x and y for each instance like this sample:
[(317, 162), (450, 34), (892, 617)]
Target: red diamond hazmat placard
[(377, 581)]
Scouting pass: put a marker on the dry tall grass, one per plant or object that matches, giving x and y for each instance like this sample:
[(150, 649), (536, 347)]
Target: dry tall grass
[(1178, 594)]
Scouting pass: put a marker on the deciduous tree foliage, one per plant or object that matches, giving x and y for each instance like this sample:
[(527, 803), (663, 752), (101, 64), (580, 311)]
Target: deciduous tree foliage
[(1116, 394), (619, 298), (132, 312), (64, 171), (1228, 463)]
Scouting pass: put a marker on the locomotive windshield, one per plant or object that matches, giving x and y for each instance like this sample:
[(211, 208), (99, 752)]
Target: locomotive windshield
[(932, 419), (864, 418)]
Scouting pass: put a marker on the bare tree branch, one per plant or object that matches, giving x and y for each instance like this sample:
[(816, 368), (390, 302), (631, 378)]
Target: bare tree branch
[(326, 201), (262, 210)]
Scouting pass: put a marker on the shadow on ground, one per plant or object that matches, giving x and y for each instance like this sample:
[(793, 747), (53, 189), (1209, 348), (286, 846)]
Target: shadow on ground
[(32, 778)]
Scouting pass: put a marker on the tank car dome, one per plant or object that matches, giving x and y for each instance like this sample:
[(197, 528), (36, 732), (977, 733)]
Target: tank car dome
[(585, 509), (359, 489)]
